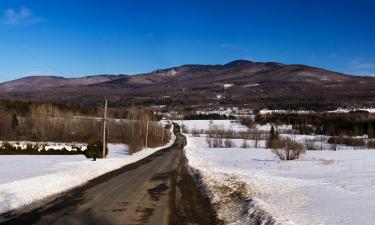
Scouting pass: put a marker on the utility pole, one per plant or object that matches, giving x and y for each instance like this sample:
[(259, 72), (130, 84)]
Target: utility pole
[(133, 121), (104, 127), (147, 132)]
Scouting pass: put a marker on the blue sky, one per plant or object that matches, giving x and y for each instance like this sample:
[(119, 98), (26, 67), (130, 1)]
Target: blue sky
[(75, 38)]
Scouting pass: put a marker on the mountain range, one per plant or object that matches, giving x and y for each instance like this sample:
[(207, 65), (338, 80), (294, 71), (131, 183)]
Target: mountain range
[(239, 83)]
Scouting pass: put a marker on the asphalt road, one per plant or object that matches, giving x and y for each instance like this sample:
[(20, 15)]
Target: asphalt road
[(156, 190)]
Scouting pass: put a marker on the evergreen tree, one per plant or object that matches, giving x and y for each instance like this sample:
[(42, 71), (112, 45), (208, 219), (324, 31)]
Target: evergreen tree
[(14, 123), (274, 135), (370, 131)]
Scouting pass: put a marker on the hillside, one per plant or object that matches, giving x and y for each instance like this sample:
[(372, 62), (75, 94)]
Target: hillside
[(35, 83), (241, 82)]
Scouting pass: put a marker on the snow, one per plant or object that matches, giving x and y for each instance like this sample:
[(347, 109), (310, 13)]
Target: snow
[(323, 187), (268, 111), (17, 167), (267, 127), (251, 85), (49, 145), (226, 124), (27, 180), (226, 86), (205, 124), (228, 111), (222, 111), (341, 110)]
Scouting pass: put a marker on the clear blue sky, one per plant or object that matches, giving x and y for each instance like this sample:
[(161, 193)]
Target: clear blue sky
[(74, 38)]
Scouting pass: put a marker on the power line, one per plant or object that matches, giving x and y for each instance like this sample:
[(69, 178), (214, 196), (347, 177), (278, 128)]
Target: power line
[(99, 119)]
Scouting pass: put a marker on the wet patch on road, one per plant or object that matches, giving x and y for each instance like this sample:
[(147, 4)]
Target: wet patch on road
[(156, 192)]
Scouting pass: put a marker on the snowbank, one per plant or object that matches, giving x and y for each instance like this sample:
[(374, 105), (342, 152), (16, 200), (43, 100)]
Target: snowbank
[(49, 145), (41, 177)]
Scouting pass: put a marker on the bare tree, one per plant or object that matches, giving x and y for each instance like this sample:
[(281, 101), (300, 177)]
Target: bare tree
[(287, 149)]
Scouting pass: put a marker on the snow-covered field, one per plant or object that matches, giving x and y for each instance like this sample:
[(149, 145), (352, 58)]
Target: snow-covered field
[(226, 124), (27, 180), (322, 187), (18, 167), (205, 124), (339, 110)]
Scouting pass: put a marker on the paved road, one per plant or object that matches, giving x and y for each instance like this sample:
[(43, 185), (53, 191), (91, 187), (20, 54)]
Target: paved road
[(157, 190)]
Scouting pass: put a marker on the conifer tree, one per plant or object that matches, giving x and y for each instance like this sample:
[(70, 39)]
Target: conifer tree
[(14, 122), (370, 131), (274, 135)]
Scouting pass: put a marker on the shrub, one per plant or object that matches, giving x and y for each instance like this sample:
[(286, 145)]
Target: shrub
[(346, 141), (32, 148), (287, 149), (305, 129), (335, 140), (310, 144), (273, 136), (334, 147), (228, 143), (256, 136), (244, 144), (167, 126), (221, 132), (247, 121), (354, 142), (371, 144), (7, 147), (95, 149), (209, 142), (276, 144), (217, 142), (135, 145), (184, 128), (195, 132), (76, 148)]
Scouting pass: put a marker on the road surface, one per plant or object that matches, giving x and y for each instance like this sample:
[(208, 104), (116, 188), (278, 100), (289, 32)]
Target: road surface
[(157, 190)]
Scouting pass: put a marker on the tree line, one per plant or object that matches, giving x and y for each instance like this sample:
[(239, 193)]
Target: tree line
[(38, 122), (210, 116), (331, 124)]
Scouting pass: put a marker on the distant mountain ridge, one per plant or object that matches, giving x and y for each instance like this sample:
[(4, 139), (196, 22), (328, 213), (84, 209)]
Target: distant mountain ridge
[(240, 82), (33, 83)]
